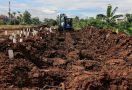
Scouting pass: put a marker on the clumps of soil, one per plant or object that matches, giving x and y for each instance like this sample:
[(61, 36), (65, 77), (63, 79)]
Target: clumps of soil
[(89, 59)]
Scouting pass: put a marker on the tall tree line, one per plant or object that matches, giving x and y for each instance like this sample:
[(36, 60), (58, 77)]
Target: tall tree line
[(18, 18)]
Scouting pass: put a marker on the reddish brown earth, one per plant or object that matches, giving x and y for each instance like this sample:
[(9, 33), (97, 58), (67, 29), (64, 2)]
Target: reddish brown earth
[(90, 59)]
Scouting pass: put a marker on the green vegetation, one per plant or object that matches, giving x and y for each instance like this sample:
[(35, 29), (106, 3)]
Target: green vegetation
[(109, 21), (18, 18), (50, 22), (25, 18), (110, 18)]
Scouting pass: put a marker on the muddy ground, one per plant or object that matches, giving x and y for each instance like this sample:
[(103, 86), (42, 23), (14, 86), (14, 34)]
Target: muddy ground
[(89, 59)]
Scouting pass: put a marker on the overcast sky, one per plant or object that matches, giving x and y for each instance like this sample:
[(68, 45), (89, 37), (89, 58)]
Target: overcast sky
[(51, 8)]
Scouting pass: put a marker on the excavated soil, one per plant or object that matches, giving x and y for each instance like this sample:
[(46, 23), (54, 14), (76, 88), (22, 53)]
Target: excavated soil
[(89, 59)]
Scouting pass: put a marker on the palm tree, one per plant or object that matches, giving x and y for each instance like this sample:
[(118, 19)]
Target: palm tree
[(110, 16)]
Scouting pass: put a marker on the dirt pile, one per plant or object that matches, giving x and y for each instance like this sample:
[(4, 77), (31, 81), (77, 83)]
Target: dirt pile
[(89, 59)]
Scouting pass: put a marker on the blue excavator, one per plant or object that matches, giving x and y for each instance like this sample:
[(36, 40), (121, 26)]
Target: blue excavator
[(65, 23)]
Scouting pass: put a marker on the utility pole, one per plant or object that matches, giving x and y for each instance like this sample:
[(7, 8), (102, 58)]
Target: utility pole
[(9, 10)]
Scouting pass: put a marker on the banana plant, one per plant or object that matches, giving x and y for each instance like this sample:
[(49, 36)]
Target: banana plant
[(110, 16)]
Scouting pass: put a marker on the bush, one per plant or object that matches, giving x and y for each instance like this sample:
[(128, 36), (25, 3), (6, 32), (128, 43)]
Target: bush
[(2, 22)]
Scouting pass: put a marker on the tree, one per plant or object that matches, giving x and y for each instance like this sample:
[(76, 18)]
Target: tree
[(14, 14), (14, 19), (50, 22), (3, 19), (20, 17), (36, 21), (26, 18), (76, 19), (110, 16)]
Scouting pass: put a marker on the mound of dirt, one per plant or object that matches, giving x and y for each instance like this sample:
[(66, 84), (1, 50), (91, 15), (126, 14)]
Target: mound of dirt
[(89, 59)]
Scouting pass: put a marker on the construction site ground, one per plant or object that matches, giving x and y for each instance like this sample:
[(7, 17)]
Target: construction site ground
[(88, 59)]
